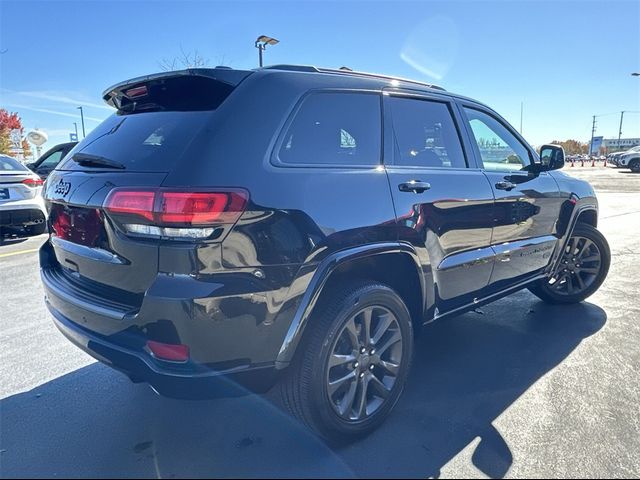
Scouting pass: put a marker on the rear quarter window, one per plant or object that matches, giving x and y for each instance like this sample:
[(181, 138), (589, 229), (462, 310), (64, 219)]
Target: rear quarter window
[(333, 129)]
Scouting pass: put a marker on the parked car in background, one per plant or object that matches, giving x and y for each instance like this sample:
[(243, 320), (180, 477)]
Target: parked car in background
[(50, 159), (21, 203), (630, 159), (616, 157), (292, 226)]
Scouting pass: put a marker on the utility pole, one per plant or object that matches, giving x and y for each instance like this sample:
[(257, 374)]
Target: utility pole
[(521, 109), (593, 131), (82, 119), (620, 129)]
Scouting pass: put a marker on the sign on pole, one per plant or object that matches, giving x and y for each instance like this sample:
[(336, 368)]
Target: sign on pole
[(595, 145), (73, 137), (15, 136)]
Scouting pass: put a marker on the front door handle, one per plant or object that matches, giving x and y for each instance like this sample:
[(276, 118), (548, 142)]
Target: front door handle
[(505, 185), (414, 186)]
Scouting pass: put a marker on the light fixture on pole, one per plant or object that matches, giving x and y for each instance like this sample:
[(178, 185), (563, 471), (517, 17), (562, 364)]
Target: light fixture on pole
[(635, 74), (261, 44)]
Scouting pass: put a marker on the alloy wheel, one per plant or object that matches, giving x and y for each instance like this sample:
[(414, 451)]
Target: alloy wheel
[(579, 267), (364, 363)]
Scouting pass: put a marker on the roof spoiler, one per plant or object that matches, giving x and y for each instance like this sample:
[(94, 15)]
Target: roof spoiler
[(116, 95)]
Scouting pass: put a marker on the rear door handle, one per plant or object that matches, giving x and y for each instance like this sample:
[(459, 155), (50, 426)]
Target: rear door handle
[(505, 185), (414, 186)]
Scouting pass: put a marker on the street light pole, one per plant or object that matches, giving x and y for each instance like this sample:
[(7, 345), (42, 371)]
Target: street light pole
[(82, 119), (593, 131), (620, 129), (261, 44)]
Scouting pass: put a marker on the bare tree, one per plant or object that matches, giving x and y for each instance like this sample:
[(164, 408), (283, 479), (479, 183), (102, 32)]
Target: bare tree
[(184, 60)]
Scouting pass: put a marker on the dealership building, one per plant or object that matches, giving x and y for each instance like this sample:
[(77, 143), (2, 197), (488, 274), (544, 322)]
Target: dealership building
[(622, 144)]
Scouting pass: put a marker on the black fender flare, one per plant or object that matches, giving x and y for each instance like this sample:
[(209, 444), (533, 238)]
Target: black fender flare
[(322, 273), (562, 243)]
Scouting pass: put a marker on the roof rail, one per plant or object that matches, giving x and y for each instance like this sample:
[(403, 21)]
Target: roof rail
[(381, 76), (293, 68), (344, 71)]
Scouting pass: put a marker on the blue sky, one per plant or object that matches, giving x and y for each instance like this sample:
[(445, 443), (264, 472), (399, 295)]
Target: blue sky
[(566, 60)]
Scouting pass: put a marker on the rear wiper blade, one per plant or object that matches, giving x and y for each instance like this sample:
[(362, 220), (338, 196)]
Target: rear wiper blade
[(89, 160)]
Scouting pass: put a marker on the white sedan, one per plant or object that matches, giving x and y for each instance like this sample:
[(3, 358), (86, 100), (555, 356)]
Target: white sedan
[(21, 202)]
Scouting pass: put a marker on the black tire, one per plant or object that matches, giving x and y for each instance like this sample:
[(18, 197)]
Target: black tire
[(545, 290), (305, 387), (37, 229), (635, 166)]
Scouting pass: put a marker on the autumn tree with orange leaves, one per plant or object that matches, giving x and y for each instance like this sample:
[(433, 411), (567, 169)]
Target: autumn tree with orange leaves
[(8, 122)]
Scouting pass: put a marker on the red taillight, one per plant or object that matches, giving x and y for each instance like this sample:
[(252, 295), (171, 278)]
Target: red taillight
[(160, 212), (131, 202), (200, 208), (169, 352), (32, 182)]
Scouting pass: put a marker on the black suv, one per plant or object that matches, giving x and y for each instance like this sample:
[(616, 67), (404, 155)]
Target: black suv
[(292, 227)]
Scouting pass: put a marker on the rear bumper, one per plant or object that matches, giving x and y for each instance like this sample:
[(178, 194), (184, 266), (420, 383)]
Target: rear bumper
[(21, 217), (231, 351), (176, 381)]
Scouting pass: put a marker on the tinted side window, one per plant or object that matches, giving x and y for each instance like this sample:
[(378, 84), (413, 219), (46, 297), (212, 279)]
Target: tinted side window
[(333, 128), (51, 161), (425, 133), (499, 148)]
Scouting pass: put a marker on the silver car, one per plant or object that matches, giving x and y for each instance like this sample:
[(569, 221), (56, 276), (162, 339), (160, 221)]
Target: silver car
[(21, 202)]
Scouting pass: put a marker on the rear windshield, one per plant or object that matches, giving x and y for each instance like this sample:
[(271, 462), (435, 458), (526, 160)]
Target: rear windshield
[(141, 142), (154, 126), (8, 164)]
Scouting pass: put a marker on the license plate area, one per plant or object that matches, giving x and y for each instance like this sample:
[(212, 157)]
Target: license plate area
[(83, 226)]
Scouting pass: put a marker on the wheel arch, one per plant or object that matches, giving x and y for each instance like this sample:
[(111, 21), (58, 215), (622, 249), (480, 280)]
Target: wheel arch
[(393, 264)]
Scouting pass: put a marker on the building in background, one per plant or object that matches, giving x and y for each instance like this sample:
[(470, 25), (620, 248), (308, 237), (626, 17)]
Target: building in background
[(614, 145)]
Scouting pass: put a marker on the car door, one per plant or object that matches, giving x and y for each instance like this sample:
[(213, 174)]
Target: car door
[(443, 202), (527, 204)]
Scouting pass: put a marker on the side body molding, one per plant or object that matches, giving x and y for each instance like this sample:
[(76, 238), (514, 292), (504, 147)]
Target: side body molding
[(318, 281)]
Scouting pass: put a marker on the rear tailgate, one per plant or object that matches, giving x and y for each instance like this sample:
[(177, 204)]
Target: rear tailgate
[(160, 121), (87, 245)]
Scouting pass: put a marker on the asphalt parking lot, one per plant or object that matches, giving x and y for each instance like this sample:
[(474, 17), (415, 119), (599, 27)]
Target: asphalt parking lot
[(515, 389)]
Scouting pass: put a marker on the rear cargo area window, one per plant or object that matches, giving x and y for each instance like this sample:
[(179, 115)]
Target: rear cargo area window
[(333, 128), (142, 142), (157, 121)]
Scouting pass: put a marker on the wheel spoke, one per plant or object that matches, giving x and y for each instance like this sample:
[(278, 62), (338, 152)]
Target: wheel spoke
[(589, 270), (569, 285), (389, 367), (581, 284), (336, 384), (585, 247), (379, 388), (352, 332), (395, 338), (590, 258), (337, 360), (366, 326), (362, 400), (384, 323), (346, 404)]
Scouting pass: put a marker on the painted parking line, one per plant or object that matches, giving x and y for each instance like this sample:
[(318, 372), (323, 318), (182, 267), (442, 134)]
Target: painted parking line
[(19, 252)]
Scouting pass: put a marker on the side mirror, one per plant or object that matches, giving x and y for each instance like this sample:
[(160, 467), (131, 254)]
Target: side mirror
[(551, 157), (31, 165)]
